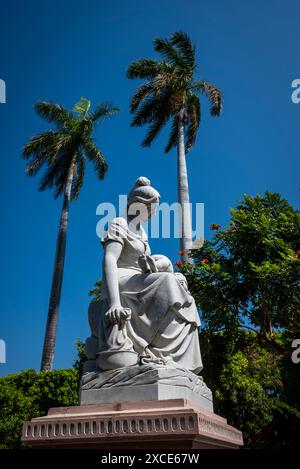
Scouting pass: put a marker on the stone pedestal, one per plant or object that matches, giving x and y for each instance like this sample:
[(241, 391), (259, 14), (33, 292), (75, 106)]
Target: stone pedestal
[(144, 383), (164, 424)]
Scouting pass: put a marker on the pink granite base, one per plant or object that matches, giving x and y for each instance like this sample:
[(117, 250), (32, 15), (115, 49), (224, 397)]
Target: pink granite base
[(168, 424)]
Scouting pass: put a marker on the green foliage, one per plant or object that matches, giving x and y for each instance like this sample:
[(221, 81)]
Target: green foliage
[(67, 146), (82, 107), (170, 92), (242, 391), (28, 394), (96, 292), (246, 282), (81, 357), (250, 272), (256, 389)]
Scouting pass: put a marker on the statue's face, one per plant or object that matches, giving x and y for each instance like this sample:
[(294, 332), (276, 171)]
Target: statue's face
[(152, 209), (142, 212)]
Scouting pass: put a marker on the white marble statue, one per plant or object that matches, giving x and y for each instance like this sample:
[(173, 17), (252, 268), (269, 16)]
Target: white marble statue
[(146, 314)]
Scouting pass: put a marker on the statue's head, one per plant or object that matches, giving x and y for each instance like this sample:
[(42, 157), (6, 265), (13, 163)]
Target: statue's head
[(143, 200)]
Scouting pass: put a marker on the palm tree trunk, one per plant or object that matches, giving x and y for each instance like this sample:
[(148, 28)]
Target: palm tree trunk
[(185, 225), (58, 270)]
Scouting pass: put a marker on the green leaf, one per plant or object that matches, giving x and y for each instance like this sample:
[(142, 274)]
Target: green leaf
[(82, 106)]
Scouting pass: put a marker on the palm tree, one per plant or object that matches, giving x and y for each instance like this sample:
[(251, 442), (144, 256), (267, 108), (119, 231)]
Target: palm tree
[(63, 152), (170, 92)]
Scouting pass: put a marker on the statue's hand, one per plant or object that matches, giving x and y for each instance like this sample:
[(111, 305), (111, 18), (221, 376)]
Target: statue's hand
[(118, 315), (163, 264)]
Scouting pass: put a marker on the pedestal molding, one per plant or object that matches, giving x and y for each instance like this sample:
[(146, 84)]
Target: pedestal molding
[(168, 421)]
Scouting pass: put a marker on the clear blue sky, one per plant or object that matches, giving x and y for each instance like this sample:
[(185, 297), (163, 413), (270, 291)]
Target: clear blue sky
[(62, 50)]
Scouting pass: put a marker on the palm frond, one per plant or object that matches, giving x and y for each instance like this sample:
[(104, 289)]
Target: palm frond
[(62, 175), (104, 110), (162, 111), (144, 69), (82, 107), (53, 172), (38, 143), (173, 137), (58, 150), (36, 163), (154, 129), (55, 113), (45, 146), (170, 88), (96, 157), (79, 175), (167, 51), (194, 118), (139, 95), (145, 112), (156, 88), (181, 41), (214, 95)]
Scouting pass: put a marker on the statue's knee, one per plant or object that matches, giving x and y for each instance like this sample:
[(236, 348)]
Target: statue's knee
[(112, 360)]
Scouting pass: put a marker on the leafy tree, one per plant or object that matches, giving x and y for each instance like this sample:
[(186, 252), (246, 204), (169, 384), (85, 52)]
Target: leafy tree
[(172, 93), (249, 274), (63, 152), (28, 394), (246, 283), (256, 389)]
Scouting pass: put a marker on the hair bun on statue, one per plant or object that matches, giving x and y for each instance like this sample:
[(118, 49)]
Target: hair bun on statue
[(142, 191), (142, 181)]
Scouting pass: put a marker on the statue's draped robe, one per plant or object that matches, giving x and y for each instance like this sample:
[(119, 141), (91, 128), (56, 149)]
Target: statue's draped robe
[(164, 319)]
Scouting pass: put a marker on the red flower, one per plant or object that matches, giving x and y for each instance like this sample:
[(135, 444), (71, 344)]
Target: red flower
[(205, 261), (179, 264), (181, 253), (215, 226)]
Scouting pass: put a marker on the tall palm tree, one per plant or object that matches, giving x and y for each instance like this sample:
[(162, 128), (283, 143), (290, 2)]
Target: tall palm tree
[(170, 92), (63, 152)]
